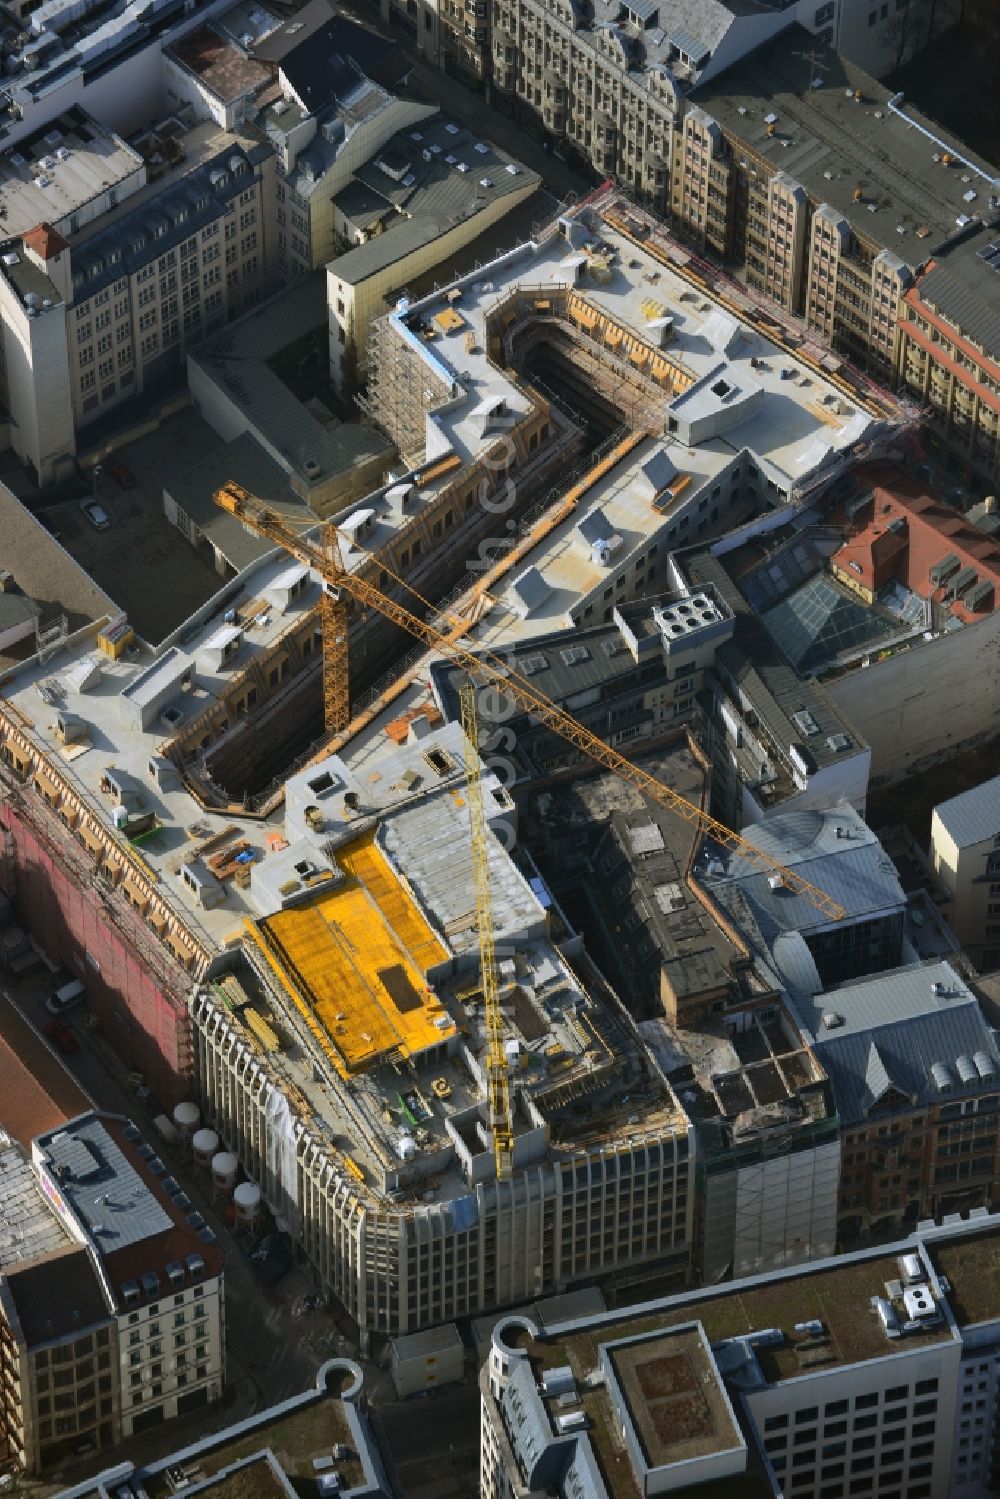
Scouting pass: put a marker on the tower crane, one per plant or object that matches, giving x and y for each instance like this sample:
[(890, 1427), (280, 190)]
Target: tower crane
[(338, 583), (497, 1067)]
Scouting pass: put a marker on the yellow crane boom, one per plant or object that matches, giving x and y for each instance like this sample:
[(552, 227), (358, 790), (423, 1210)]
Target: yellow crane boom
[(497, 1066), (486, 665)]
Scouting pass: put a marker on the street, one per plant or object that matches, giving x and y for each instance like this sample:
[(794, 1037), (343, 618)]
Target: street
[(271, 1353)]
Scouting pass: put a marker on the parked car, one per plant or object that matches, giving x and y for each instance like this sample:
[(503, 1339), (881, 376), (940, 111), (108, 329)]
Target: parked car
[(63, 1036), (277, 1264), (65, 996), (264, 1246), (122, 475), (96, 514)]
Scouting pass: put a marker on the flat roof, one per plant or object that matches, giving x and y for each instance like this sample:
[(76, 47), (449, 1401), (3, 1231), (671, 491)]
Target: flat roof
[(836, 1294), (222, 68), (54, 173), (242, 461), (241, 359), (359, 955), (311, 1428), (674, 1396), (833, 144)]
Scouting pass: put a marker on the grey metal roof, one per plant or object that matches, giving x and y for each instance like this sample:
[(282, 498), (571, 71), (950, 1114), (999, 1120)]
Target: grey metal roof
[(239, 359), (834, 850), (966, 288), (104, 1189), (972, 816), (893, 1029)]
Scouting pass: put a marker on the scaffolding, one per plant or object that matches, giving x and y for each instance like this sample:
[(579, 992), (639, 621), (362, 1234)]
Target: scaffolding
[(402, 389)]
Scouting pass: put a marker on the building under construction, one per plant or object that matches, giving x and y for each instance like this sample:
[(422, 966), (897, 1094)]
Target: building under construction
[(314, 977)]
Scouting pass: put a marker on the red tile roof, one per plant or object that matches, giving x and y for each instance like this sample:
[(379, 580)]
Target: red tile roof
[(37, 1093), (45, 241), (930, 530)]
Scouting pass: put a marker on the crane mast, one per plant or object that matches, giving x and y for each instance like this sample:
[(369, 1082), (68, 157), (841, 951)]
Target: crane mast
[(338, 583), (497, 1066)]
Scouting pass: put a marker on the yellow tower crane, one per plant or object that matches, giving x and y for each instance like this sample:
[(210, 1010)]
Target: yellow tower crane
[(497, 1066), (482, 665)]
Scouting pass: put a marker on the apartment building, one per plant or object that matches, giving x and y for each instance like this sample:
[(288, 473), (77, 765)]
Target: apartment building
[(94, 315), (858, 1375), (948, 350), (965, 852), (835, 192), (159, 1265)]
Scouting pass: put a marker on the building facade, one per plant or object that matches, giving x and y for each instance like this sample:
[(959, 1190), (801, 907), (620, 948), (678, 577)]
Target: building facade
[(965, 852), (94, 318), (806, 1383)]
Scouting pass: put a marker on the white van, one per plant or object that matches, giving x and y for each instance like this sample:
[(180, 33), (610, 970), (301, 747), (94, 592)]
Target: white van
[(66, 997)]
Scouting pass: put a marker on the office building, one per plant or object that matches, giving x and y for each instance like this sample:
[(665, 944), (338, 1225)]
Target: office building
[(862, 1374), (965, 835), (322, 1436)]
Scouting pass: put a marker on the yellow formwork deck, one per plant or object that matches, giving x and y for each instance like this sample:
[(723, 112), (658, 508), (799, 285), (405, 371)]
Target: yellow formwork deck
[(354, 961)]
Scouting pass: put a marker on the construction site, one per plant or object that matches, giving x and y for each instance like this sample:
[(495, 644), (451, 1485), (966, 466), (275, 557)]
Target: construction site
[(261, 846)]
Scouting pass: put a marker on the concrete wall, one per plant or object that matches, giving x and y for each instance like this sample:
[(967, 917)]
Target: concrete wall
[(925, 702), (38, 385)]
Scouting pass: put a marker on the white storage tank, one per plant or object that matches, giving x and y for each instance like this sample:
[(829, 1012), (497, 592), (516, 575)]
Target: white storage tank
[(204, 1143), (187, 1117), (246, 1200), (224, 1170)]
